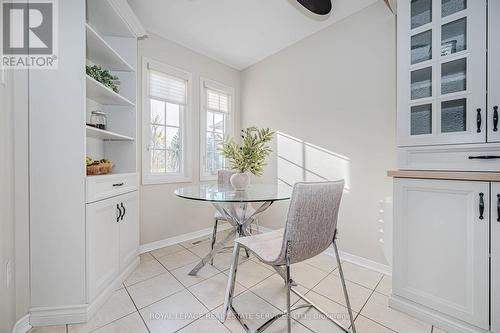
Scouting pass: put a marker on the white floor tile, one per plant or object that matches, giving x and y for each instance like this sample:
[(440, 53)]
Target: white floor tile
[(173, 312), (149, 291), (223, 260), (144, 271), (187, 280), (360, 275), (377, 309), (179, 259), (385, 286), (201, 250), (118, 306), (331, 287), (365, 325), (315, 321), (211, 292), (167, 250), (49, 329), (207, 324), (324, 262), (129, 324), (146, 257), (254, 310), (250, 273), (307, 275), (438, 330), (273, 290)]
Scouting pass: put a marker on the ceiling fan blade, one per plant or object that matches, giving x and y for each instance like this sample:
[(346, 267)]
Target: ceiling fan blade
[(320, 7)]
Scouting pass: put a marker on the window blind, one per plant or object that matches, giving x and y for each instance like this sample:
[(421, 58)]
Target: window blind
[(217, 101), (167, 88)]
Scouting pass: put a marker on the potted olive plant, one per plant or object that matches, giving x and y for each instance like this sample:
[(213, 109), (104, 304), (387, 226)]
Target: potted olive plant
[(249, 157)]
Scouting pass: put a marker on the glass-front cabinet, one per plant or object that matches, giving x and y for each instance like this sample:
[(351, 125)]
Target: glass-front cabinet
[(441, 72)]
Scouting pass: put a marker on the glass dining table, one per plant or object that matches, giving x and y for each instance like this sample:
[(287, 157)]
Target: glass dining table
[(234, 207)]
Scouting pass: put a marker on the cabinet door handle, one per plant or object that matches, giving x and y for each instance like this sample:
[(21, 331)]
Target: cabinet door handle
[(119, 213), (479, 120), (495, 118), (484, 157), (124, 211), (498, 207), (481, 206), (118, 184)]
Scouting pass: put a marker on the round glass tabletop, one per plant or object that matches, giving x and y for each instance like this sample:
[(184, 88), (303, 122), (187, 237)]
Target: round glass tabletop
[(226, 193)]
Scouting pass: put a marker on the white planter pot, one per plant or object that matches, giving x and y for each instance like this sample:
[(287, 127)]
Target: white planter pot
[(240, 181)]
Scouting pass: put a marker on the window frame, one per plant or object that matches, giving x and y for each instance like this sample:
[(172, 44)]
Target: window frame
[(208, 84), (185, 174)]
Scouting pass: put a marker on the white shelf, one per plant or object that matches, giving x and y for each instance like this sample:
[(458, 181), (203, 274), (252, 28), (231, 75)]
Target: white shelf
[(93, 132), (106, 17), (101, 53), (103, 95)]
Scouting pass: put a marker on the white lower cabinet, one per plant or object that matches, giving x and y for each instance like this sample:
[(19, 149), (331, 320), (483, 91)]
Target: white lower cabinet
[(495, 257), (441, 247), (112, 239)]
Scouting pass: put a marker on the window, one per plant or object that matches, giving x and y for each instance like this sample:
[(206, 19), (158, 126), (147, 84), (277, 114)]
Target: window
[(216, 119), (165, 112)]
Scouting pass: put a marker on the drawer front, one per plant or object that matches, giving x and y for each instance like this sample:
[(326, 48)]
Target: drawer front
[(483, 157), (102, 187)]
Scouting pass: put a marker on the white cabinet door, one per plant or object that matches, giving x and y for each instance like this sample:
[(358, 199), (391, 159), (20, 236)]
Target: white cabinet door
[(441, 72), (493, 71), (441, 246), (495, 257), (129, 228), (102, 245)]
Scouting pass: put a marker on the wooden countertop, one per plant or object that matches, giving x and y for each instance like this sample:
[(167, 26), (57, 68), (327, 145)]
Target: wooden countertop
[(449, 175)]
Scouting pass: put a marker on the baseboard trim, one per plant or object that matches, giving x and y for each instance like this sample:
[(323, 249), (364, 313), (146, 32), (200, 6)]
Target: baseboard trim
[(433, 317), (180, 239), (22, 325), (74, 314)]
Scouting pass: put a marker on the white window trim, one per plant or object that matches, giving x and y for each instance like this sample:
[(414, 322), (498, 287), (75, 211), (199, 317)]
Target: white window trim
[(214, 85), (185, 175)]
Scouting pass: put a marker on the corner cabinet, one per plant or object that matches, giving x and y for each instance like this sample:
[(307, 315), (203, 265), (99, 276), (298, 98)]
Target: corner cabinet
[(442, 63), (441, 247)]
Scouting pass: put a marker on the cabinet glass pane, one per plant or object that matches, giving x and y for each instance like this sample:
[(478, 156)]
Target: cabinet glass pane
[(453, 76), (421, 47), (454, 37), (421, 119), (421, 83), (454, 116), (449, 7), (421, 12)]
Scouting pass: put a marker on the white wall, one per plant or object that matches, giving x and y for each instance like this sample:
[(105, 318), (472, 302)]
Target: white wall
[(7, 225), (333, 96), (162, 214)]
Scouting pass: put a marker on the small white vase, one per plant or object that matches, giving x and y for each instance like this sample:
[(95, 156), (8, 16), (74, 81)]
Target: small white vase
[(240, 181)]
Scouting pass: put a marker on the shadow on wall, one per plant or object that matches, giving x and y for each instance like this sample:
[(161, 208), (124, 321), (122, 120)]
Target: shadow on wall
[(299, 161)]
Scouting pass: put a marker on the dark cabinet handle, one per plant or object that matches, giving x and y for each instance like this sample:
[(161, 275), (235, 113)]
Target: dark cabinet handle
[(118, 184), (119, 213), (498, 207), (495, 118), (479, 120), (124, 211), (484, 157), (481, 206)]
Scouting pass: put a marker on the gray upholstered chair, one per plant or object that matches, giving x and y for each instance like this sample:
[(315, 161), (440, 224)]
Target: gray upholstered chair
[(223, 178), (311, 228)]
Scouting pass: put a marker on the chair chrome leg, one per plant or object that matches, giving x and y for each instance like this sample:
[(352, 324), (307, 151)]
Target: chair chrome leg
[(288, 290), (214, 237), (228, 302), (341, 273)]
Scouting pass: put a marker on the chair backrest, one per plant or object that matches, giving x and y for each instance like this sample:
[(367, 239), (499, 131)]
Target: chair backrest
[(224, 176), (312, 219)]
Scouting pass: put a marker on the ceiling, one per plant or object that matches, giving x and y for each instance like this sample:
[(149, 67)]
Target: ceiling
[(238, 33)]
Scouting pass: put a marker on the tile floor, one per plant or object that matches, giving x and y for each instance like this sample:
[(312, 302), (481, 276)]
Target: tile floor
[(159, 296)]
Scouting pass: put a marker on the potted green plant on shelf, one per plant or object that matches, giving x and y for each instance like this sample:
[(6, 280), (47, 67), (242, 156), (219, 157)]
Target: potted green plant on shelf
[(103, 76), (249, 157)]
